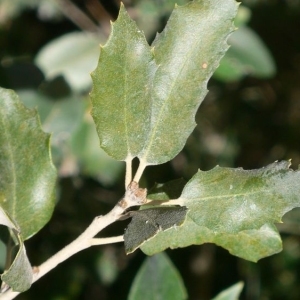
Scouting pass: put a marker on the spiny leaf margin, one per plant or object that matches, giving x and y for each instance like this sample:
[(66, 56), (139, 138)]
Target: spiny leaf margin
[(120, 97), (187, 52), (235, 209)]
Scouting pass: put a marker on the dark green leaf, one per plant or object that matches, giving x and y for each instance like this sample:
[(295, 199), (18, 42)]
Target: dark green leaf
[(120, 95), (148, 222), (27, 178), (231, 293), (158, 279), (187, 52), (235, 209)]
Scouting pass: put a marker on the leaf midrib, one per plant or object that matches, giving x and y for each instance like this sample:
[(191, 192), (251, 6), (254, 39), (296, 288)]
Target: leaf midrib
[(126, 98), (158, 120), (222, 196)]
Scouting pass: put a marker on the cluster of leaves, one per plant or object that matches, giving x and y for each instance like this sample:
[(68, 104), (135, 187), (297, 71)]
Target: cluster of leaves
[(74, 143), (144, 100)]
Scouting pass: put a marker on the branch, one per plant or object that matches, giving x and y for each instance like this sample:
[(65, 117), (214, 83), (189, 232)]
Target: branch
[(134, 196), (104, 241), (140, 171), (77, 16), (169, 202)]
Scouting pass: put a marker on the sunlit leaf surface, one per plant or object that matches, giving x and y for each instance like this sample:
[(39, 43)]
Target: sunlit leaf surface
[(235, 209), (187, 52), (120, 95), (27, 177)]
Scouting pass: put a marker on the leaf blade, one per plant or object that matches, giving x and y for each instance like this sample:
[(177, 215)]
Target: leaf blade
[(231, 293), (146, 223), (158, 279), (180, 81), (28, 177), (73, 55), (235, 209), (19, 275), (120, 98)]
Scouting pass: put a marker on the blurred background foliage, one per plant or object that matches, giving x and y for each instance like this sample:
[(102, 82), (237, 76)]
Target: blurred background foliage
[(251, 117)]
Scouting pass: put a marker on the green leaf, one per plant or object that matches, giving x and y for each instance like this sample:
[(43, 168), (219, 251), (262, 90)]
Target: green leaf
[(27, 177), (235, 209), (73, 55), (187, 52), (247, 55), (120, 95), (158, 279), (147, 223), (61, 117), (231, 293), (19, 275)]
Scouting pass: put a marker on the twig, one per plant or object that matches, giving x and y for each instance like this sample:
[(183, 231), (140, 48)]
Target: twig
[(133, 196), (169, 202), (140, 171), (128, 175), (104, 241), (77, 16)]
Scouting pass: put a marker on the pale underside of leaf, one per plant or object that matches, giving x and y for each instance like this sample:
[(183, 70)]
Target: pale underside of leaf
[(28, 177), (120, 95), (235, 209), (19, 274), (231, 293), (187, 53), (6, 220)]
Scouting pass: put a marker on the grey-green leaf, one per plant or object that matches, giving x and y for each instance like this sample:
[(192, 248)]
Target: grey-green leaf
[(120, 95), (235, 209), (187, 52), (231, 293), (235, 199), (27, 177), (158, 279), (19, 275), (147, 223)]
